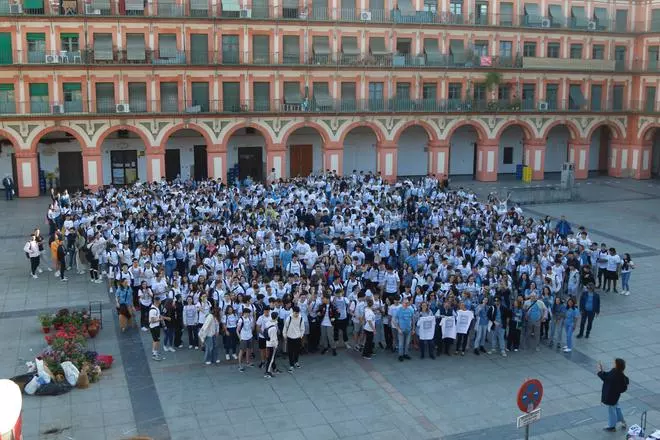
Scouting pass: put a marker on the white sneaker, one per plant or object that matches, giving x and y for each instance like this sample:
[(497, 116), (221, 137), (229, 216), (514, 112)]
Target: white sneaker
[(110, 290), (49, 269), (207, 363), (623, 292), (504, 353), (40, 270), (627, 293), (567, 350), (144, 329), (234, 356), (190, 347), (57, 274), (35, 276), (173, 350), (65, 279), (227, 356)]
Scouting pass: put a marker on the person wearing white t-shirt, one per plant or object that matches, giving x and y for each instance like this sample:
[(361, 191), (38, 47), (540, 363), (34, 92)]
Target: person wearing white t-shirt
[(369, 330), (271, 345), (612, 270), (293, 332), (245, 329), (155, 320)]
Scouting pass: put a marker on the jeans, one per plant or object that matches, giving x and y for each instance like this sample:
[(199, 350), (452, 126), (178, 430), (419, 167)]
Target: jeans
[(404, 342), (169, 337), (587, 318), (461, 341), (170, 265), (569, 336), (379, 337), (498, 337), (556, 329), (625, 278), (193, 338), (9, 193), (210, 353), (614, 415), (426, 345), (229, 341), (480, 338), (533, 335)]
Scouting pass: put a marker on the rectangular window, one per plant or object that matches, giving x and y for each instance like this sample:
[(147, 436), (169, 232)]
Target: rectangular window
[(655, 20), (39, 102), (7, 99), (553, 50), (507, 156), (649, 104), (528, 96), (532, 15), (576, 51), (402, 97), (137, 97), (291, 46), (260, 49), (292, 98), (319, 9), (596, 97), (169, 97), (504, 93), (6, 51), (167, 47), (431, 6), (321, 49), (556, 16), (576, 99), (529, 49), (36, 45), (123, 166), (430, 96), (456, 11), (481, 13), (552, 96), (105, 97), (72, 93), (200, 96), (578, 17), (135, 48), (617, 98), (506, 49), (348, 96), (621, 20), (598, 52), (231, 8), (479, 93), (376, 95), (455, 91), (620, 58), (506, 14), (481, 48), (231, 96), (199, 48), (230, 49), (70, 44), (348, 10), (261, 93), (652, 63), (103, 47)]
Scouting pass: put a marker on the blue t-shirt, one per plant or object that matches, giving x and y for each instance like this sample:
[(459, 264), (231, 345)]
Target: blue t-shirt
[(534, 312), (404, 317)]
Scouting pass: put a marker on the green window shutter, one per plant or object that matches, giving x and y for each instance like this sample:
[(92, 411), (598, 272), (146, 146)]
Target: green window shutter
[(33, 36), (39, 89), (33, 4), (71, 87), (6, 87), (6, 52), (68, 35)]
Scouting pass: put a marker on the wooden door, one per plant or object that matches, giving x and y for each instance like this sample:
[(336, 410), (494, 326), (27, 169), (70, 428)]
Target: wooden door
[(172, 164), (301, 160), (250, 163), (201, 163), (71, 170)]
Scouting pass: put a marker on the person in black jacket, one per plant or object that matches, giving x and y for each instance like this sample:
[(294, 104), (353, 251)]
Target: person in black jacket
[(614, 384)]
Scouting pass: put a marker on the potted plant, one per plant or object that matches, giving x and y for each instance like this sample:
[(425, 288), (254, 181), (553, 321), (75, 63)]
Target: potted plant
[(46, 321), (93, 328), (492, 80)]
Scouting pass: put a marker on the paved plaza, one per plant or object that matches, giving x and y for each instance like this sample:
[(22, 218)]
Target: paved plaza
[(471, 397)]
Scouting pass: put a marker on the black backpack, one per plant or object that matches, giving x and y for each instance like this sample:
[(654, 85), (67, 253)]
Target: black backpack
[(266, 333)]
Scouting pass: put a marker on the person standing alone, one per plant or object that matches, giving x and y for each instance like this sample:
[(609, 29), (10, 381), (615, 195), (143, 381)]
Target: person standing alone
[(615, 383), (589, 309), (32, 252)]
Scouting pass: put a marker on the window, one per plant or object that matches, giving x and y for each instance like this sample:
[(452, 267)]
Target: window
[(70, 42), (292, 98), (617, 98), (506, 14), (72, 93), (123, 164), (481, 13), (260, 49), (576, 51), (655, 20), (456, 9), (431, 6), (598, 52), (167, 48), (103, 47), (649, 104), (652, 58), (105, 97), (7, 102), (231, 96), (230, 49), (481, 48), (529, 49), (621, 20), (455, 91), (596, 97), (507, 156), (291, 44), (199, 48), (429, 92), (403, 95), (504, 93), (137, 97), (528, 96), (169, 97), (348, 10), (348, 96), (479, 93), (6, 51), (321, 49), (552, 95), (506, 49), (553, 50), (135, 49), (261, 93), (620, 57), (200, 96), (376, 95), (36, 46), (321, 96), (575, 97)]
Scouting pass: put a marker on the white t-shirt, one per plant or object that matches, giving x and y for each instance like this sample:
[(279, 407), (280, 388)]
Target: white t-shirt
[(612, 262), (369, 319), (154, 313), (246, 328), (262, 323)]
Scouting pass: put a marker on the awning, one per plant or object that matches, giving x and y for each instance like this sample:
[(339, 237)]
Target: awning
[(292, 95), (71, 87), (322, 98), (377, 46), (600, 14), (135, 5), (291, 46), (135, 47), (321, 46), (199, 5), (406, 7), (33, 36), (6, 87), (291, 4), (555, 11), (433, 55), (349, 46), (457, 51), (38, 89), (532, 13), (577, 96), (580, 19), (68, 35), (230, 5)]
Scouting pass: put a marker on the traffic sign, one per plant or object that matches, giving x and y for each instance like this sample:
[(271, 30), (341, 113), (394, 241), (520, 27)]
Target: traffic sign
[(529, 418), (530, 395)]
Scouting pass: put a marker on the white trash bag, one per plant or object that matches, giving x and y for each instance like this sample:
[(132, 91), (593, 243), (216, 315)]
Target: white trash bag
[(32, 386), (44, 377), (71, 373)]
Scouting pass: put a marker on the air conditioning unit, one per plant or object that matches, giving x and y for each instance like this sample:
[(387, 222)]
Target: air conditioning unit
[(546, 23), (122, 108), (246, 13), (592, 25), (52, 59), (90, 10), (16, 8), (365, 16), (543, 106), (58, 108)]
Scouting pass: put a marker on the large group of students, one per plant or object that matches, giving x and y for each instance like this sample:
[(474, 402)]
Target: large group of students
[(251, 272)]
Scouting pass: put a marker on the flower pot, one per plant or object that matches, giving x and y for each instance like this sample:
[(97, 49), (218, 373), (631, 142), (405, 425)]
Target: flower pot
[(46, 330), (93, 331), (49, 339)]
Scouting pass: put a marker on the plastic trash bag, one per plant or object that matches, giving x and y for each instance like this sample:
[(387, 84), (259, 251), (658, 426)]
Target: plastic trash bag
[(71, 373), (32, 386), (42, 372), (53, 389)]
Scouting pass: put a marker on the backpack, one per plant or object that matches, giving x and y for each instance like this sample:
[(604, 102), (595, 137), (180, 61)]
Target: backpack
[(266, 332)]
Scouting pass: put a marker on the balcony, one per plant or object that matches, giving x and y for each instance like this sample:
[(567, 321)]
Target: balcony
[(568, 64), (213, 9), (326, 105)]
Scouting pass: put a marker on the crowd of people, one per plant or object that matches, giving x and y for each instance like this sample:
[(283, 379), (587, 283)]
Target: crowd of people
[(256, 272)]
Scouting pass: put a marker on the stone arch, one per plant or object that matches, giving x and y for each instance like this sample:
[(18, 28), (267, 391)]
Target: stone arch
[(186, 126), (482, 132), (141, 134), (430, 131), (527, 129), (378, 131), (614, 128), (55, 128), (572, 129), (12, 138), (260, 128), (649, 131), (306, 124)]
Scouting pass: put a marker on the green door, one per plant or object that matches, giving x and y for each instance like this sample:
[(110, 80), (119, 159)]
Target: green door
[(6, 53)]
